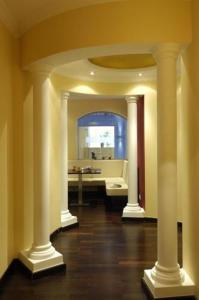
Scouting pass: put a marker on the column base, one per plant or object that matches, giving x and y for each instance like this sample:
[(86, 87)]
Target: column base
[(160, 290), (133, 211), (37, 265), (67, 219)]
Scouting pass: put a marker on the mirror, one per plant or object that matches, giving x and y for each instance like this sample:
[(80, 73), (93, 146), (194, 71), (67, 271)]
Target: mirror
[(102, 135)]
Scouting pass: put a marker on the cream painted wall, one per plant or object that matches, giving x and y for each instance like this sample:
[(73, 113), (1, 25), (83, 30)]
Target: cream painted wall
[(190, 154), (6, 149), (109, 24)]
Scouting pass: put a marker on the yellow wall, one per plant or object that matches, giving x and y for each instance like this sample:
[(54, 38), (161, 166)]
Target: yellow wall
[(6, 149), (16, 159), (131, 21), (190, 155), (23, 160)]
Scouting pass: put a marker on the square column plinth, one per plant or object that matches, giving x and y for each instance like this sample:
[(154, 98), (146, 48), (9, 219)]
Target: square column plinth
[(159, 290), (133, 211), (68, 221), (34, 265)]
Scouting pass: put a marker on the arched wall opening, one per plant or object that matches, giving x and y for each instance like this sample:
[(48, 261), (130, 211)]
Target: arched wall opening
[(77, 107), (102, 134)]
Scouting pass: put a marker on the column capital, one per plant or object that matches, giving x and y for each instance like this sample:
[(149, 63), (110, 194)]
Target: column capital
[(65, 96), (132, 99), (40, 70), (166, 50)]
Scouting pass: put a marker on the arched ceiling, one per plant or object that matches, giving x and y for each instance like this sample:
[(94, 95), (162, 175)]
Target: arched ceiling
[(21, 15), (85, 70)]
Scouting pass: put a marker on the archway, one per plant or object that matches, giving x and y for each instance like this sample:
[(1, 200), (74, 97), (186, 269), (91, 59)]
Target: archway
[(148, 277)]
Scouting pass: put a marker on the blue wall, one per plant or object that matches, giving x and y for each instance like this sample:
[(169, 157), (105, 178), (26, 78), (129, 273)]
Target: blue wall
[(109, 119)]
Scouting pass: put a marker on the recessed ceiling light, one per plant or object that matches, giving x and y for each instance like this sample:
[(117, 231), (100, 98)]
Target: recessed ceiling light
[(92, 73), (140, 74)]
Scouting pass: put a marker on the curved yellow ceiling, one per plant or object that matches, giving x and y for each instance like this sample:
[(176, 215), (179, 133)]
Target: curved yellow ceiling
[(127, 61)]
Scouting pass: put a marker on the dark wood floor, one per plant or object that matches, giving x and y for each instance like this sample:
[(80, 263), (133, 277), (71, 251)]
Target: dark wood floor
[(105, 259)]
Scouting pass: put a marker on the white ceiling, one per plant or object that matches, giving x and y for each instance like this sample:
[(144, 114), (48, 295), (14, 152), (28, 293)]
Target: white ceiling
[(81, 70), (21, 15)]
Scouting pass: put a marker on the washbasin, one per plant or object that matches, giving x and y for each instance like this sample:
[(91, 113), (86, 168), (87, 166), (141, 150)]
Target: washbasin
[(115, 186)]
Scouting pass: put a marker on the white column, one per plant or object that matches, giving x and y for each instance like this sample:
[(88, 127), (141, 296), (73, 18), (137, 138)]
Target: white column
[(132, 210), (66, 218), (42, 254), (166, 279)]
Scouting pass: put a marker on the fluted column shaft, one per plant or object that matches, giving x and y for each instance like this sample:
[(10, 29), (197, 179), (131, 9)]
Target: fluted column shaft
[(66, 217)]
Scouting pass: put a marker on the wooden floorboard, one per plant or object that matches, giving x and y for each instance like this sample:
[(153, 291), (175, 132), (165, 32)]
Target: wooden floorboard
[(105, 260)]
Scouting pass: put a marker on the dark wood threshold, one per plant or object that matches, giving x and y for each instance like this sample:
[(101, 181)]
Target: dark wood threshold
[(140, 220), (146, 219), (151, 220), (132, 220), (150, 296)]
